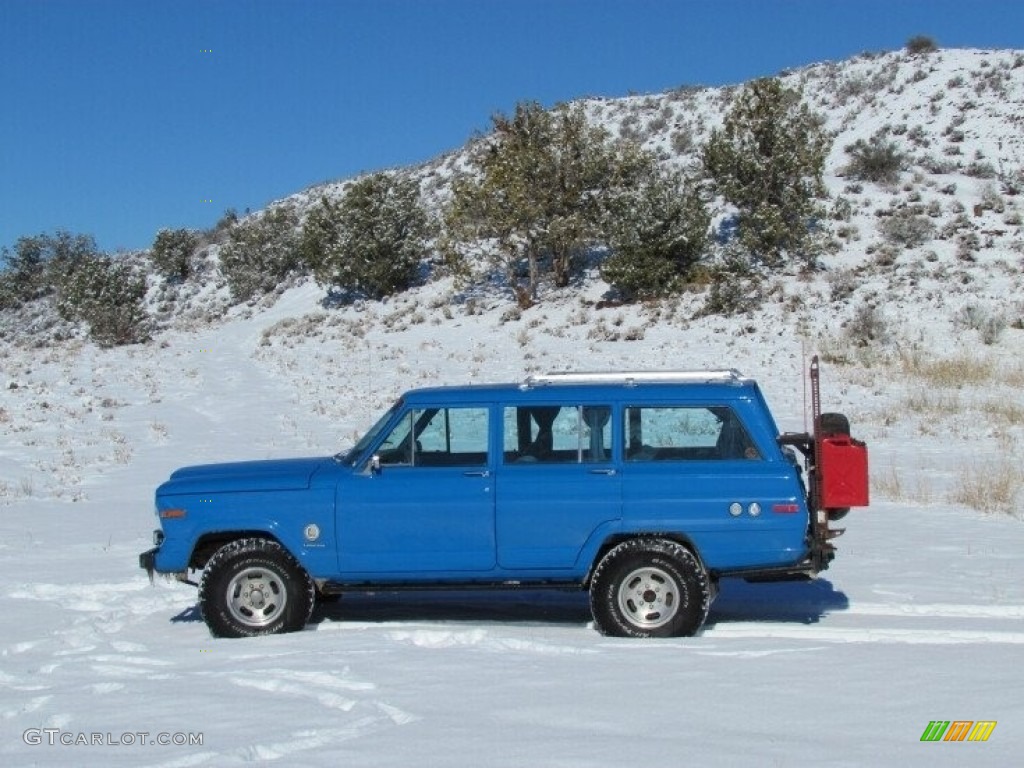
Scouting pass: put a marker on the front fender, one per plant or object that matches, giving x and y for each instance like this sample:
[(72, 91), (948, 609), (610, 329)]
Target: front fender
[(301, 521)]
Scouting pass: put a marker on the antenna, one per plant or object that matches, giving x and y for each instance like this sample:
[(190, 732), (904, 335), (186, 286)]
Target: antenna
[(803, 376)]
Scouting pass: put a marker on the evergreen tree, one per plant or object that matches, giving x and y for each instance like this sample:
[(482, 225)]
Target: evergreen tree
[(36, 264), (657, 231), (107, 295), (534, 193), (372, 241), (172, 252), (261, 252), (767, 160)]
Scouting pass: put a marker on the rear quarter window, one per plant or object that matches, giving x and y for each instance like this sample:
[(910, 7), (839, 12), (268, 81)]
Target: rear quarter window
[(686, 433)]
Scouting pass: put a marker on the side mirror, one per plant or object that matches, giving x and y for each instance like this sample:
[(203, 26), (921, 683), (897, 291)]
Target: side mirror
[(375, 464)]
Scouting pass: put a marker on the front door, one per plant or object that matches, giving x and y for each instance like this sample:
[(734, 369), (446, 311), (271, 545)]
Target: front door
[(430, 505)]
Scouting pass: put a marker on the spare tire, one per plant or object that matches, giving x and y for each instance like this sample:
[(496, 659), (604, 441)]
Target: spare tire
[(833, 424)]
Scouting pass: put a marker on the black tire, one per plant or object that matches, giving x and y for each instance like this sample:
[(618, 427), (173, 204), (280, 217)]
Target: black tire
[(833, 424), (254, 587), (650, 588)]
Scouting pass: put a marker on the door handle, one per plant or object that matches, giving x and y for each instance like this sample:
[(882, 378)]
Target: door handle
[(609, 472), (479, 473)]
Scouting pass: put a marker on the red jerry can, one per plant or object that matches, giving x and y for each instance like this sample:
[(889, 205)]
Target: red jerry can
[(843, 467)]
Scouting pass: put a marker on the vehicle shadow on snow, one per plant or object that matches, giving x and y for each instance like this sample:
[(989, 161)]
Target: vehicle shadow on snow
[(519, 606), (804, 602), (187, 616)]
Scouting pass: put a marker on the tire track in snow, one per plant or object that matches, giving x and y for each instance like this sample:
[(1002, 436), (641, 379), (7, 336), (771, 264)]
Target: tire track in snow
[(331, 690), (817, 633), (979, 624), (83, 653), (939, 609)]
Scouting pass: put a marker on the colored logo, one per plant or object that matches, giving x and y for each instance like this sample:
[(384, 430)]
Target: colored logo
[(958, 730)]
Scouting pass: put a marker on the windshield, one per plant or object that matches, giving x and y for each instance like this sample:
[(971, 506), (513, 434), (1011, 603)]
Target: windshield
[(349, 456)]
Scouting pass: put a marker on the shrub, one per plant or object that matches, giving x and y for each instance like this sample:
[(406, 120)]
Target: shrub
[(1012, 182), (921, 44), (842, 284), (735, 284), (262, 251), (373, 241), (907, 229), (975, 317), (867, 326), (172, 252), (875, 160), (682, 141), (107, 295), (967, 246), (980, 169)]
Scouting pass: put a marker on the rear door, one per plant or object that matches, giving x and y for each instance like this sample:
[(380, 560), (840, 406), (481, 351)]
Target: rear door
[(557, 483)]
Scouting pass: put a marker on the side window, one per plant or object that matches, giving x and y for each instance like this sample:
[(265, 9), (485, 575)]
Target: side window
[(679, 433), (557, 434), (438, 437)]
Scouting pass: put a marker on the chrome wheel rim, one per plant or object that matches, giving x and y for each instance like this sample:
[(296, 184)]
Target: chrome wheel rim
[(649, 598), (256, 597)]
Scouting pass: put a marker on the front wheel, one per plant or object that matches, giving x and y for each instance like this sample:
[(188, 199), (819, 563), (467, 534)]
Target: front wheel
[(254, 587), (650, 588)]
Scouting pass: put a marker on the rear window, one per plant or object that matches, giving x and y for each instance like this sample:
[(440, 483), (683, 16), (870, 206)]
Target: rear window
[(685, 433)]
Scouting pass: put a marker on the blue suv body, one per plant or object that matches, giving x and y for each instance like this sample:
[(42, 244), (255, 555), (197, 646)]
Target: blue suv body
[(644, 488)]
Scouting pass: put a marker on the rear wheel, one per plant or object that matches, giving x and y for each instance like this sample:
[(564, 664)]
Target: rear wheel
[(254, 587), (649, 588)]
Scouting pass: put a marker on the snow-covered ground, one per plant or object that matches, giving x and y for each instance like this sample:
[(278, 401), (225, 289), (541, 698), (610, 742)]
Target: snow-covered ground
[(920, 618)]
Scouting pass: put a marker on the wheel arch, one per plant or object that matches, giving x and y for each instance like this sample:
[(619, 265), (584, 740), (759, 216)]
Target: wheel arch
[(613, 541), (207, 544)]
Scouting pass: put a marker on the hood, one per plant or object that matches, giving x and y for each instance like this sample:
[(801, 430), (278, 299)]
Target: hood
[(274, 475)]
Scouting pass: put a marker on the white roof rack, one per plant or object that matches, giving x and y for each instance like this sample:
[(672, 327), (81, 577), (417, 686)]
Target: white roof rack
[(632, 378)]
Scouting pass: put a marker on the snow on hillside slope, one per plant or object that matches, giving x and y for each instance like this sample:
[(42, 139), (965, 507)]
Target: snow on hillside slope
[(920, 618)]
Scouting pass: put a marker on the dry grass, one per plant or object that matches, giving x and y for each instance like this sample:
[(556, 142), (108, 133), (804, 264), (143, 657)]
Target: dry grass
[(890, 485), (951, 372), (932, 402), (1004, 412), (990, 488)]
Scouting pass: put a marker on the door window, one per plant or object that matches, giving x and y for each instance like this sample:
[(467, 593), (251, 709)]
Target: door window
[(438, 437), (554, 434)]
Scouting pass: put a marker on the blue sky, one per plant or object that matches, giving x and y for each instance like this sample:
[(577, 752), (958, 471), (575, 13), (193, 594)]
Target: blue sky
[(121, 117)]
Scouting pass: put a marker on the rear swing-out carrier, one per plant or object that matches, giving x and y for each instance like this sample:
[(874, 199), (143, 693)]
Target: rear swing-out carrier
[(837, 467)]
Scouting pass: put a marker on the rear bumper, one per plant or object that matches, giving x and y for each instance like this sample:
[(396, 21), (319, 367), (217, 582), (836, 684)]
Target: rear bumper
[(147, 561)]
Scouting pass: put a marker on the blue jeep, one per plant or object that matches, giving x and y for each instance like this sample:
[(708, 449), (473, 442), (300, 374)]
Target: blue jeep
[(643, 488)]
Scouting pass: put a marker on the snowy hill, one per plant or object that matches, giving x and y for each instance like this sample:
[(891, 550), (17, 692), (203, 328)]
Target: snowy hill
[(955, 115), (920, 618)]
